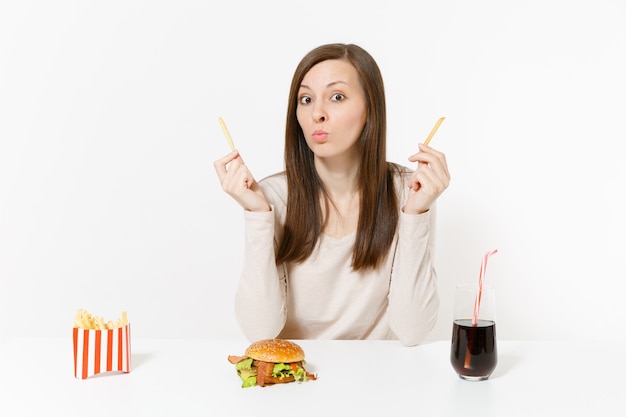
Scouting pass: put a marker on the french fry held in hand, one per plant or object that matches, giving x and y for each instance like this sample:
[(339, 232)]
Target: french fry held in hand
[(432, 132), (100, 346), (226, 133)]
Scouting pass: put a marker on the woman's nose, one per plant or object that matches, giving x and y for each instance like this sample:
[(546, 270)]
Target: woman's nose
[(319, 115)]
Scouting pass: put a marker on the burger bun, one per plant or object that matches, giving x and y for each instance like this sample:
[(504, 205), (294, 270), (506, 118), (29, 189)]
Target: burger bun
[(276, 351)]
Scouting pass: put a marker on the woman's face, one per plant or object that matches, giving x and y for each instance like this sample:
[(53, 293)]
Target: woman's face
[(331, 108)]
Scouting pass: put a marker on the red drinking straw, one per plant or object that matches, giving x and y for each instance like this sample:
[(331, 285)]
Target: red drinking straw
[(483, 270)]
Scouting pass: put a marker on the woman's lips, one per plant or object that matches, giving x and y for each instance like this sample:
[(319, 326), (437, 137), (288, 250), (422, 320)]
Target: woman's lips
[(320, 136)]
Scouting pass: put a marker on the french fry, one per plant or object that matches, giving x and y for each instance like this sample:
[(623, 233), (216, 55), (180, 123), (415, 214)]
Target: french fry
[(432, 132), (85, 320), (226, 133)]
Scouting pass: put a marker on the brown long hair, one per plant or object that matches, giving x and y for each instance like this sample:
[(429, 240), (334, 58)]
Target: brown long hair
[(378, 217)]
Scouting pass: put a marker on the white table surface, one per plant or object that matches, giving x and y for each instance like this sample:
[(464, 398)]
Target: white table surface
[(192, 377)]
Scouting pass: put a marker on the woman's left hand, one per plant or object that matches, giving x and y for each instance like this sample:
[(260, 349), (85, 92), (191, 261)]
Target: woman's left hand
[(430, 179)]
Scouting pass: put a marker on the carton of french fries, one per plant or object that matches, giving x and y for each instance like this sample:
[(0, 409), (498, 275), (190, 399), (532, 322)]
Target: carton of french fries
[(100, 346)]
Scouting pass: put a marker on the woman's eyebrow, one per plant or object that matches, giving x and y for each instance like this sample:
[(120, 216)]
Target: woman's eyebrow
[(330, 84)]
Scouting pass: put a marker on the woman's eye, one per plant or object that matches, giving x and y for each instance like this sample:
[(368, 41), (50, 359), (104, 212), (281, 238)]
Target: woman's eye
[(305, 100), (337, 97)]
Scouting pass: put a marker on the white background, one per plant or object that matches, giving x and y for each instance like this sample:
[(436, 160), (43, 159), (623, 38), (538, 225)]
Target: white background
[(108, 131)]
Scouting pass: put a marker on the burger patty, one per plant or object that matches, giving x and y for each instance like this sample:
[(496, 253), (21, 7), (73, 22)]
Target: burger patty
[(264, 374)]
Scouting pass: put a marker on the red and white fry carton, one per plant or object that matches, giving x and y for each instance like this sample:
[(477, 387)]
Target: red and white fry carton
[(98, 351)]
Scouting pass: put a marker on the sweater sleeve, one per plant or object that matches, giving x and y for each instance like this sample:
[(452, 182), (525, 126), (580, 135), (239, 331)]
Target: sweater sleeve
[(413, 294), (260, 299)]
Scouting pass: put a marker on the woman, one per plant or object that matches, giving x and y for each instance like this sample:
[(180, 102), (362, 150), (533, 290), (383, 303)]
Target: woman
[(339, 245)]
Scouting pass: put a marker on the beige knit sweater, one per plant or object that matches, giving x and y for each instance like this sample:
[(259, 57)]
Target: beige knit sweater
[(322, 298)]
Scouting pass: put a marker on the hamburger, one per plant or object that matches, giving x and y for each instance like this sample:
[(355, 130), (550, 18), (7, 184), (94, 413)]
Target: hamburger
[(271, 361)]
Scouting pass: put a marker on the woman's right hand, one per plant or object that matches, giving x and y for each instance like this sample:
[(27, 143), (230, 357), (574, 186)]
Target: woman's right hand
[(239, 183)]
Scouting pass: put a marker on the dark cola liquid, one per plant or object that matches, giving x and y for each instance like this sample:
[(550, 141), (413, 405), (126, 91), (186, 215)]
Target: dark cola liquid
[(474, 352)]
